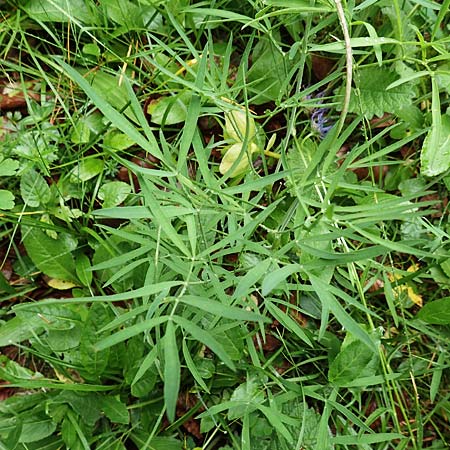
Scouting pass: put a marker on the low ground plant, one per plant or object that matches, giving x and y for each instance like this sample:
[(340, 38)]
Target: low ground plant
[(224, 224)]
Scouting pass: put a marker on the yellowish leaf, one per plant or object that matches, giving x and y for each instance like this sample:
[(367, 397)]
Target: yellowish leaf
[(61, 285)]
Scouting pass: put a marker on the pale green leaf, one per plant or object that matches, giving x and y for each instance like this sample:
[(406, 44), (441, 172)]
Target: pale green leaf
[(435, 156), (34, 189), (114, 193), (6, 199)]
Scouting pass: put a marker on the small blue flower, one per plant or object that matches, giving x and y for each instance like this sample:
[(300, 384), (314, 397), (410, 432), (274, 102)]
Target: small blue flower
[(320, 123)]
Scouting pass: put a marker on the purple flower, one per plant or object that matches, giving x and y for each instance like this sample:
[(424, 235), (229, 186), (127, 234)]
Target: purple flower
[(320, 123)]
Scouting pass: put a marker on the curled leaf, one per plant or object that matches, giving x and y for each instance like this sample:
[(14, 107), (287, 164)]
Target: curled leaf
[(238, 126), (237, 153)]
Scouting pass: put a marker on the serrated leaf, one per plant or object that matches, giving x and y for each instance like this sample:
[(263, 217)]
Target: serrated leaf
[(52, 257), (94, 361), (436, 312), (8, 167), (351, 363), (372, 97), (114, 410), (34, 189)]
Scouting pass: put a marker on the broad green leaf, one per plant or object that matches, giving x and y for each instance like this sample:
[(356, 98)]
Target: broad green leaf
[(117, 141), (268, 73), (435, 156), (58, 11), (351, 363), (83, 266), (6, 199), (436, 312), (85, 404), (169, 110), (8, 167), (372, 98), (91, 49), (114, 409), (86, 169), (52, 257), (109, 88), (34, 189), (114, 193), (124, 12), (247, 396), (36, 426), (80, 133), (94, 361), (172, 369)]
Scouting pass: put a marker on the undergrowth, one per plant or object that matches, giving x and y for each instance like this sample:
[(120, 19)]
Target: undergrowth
[(224, 224)]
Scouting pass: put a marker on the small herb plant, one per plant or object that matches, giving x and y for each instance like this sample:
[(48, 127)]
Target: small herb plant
[(224, 224)]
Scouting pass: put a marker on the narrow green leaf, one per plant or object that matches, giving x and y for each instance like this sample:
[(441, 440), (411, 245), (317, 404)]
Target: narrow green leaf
[(192, 367), (205, 338), (274, 278), (129, 332), (437, 375), (221, 310), (116, 118), (141, 292), (366, 439), (289, 323), (330, 301), (172, 369)]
